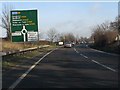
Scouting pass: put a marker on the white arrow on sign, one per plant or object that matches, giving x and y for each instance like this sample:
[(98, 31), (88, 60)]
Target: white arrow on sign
[(24, 31)]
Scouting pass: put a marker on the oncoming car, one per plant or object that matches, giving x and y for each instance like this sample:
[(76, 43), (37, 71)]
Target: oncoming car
[(68, 44)]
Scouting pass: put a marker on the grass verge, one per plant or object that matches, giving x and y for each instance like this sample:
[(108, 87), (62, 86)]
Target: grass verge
[(12, 46), (108, 49), (18, 59)]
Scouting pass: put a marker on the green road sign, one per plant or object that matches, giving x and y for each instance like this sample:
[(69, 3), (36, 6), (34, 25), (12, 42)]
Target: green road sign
[(24, 25)]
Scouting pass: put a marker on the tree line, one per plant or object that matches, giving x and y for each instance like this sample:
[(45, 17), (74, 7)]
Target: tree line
[(106, 33), (103, 34)]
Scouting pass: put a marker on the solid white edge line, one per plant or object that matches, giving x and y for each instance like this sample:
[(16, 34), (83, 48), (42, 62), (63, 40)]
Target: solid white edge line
[(104, 52), (25, 74), (104, 66)]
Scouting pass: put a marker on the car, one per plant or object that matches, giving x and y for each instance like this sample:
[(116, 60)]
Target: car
[(68, 44), (73, 43)]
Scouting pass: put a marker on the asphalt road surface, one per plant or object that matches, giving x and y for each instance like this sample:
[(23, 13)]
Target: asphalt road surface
[(76, 67)]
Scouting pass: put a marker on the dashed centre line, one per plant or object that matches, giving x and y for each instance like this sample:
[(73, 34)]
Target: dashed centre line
[(104, 66), (84, 56), (96, 61), (76, 50)]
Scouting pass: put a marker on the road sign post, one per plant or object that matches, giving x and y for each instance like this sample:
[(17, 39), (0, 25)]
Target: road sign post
[(24, 25)]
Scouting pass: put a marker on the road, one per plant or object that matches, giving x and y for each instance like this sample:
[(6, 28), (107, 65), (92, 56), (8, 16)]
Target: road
[(76, 67)]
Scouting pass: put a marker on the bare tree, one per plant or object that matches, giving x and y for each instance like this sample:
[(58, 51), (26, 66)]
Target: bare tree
[(41, 34), (6, 19), (68, 37), (105, 33), (52, 34), (118, 24), (58, 35), (77, 38), (111, 35), (99, 35), (62, 37)]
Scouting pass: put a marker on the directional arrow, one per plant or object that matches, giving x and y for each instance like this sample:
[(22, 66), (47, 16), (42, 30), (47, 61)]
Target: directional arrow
[(24, 31)]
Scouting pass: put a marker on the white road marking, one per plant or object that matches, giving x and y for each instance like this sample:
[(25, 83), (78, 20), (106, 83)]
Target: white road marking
[(104, 66), (81, 54), (76, 50), (96, 61), (25, 74), (84, 56), (104, 52)]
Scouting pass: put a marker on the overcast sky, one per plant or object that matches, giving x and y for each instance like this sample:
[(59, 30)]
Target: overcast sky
[(75, 17)]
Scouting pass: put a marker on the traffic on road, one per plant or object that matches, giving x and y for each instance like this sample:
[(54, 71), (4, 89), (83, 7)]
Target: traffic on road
[(75, 67)]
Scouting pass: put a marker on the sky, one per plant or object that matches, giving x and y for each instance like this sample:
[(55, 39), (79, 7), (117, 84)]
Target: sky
[(70, 17)]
